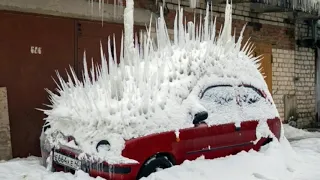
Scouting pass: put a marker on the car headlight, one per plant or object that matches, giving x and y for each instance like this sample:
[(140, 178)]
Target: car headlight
[(103, 145)]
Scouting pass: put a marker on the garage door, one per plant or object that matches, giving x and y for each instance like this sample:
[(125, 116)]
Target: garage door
[(31, 49), (266, 63), (90, 33)]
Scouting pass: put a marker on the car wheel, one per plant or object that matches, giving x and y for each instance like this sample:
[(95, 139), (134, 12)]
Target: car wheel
[(153, 165)]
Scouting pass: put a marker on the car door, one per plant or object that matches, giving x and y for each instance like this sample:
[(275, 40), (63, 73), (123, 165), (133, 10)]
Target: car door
[(221, 104), (216, 139), (193, 142)]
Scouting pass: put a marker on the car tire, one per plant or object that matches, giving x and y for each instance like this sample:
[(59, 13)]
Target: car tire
[(152, 165)]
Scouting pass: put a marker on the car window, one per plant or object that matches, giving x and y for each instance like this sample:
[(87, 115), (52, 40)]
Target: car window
[(221, 95), (220, 102), (252, 104), (248, 95), (227, 104)]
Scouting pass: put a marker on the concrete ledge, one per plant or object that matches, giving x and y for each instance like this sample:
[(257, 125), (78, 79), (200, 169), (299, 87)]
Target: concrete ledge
[(5, 138), (80, 9)]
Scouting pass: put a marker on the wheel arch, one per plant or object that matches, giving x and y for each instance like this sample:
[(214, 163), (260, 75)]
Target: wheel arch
[(170, 156), (167, 155)]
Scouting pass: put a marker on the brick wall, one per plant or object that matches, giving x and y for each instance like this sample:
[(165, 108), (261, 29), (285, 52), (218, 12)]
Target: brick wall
[(5, 140), (305, 86), (272, 29), (278, 36), (283, 76), (294, 75)]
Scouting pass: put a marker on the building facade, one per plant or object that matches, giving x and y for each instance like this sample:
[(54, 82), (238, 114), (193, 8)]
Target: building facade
[(41, 36)]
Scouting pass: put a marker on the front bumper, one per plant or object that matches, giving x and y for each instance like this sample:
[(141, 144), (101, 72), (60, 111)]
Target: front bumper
[(104, 170)]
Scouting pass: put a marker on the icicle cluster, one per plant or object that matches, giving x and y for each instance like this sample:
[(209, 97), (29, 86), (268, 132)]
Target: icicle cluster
[(118, 4), (193, 3), (153, 89), (307, 5), (304, 5)]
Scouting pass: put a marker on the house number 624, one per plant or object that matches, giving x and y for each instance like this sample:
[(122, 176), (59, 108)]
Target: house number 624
[(35, 50)]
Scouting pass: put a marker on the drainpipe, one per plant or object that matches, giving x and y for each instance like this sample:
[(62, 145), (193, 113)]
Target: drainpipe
[(317, 51), (314, 30), (317, 56)]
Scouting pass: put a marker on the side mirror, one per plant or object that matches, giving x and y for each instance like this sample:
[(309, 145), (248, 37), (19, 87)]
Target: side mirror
[(199, 117)]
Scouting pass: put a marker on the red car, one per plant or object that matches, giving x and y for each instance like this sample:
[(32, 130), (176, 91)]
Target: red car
[(167, 149)]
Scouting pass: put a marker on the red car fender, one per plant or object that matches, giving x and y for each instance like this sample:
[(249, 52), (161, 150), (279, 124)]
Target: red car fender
[(143, 148)]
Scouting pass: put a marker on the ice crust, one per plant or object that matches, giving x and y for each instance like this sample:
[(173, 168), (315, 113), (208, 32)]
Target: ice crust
[(154, 89)]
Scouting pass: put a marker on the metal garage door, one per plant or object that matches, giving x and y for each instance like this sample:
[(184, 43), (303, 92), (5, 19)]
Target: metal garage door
[(90, 33), (266, 51), (31, 48)]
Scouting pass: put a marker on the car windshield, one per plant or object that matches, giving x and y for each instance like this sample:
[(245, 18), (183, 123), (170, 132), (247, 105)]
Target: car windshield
[(226, 103), (222, 95), (220, 103), (248, 95)]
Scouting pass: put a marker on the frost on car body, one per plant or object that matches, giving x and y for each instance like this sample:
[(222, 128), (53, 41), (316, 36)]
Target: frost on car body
[(201, 94)]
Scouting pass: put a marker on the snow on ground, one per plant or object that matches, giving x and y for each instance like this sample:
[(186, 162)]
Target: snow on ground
[(30, 169), (292, 133), (300, 161), (278, 161), (309, 149)]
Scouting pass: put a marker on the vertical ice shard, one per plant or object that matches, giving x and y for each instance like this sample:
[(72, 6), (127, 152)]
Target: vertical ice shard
[(193, 3), (128, 29)]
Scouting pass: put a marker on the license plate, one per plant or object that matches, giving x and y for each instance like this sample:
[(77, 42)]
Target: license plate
[(66, 161)]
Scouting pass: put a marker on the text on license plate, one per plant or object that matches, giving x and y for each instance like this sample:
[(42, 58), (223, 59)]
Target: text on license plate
[(66, 161)]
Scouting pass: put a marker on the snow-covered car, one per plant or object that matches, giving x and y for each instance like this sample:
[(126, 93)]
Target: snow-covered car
[(163, 150), (200, 95)]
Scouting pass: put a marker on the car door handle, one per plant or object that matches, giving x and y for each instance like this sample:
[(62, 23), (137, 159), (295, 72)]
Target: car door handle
[(238, 128)]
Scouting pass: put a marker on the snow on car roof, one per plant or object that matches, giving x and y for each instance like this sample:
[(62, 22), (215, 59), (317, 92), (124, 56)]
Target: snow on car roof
[(154, 89)]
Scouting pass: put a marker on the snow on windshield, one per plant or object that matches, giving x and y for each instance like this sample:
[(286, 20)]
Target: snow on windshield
[(246, 102), (155, 89)]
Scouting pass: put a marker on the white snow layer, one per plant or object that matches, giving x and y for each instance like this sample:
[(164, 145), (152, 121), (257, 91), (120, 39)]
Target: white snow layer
[(299, 160), (292, 133), (278, 161), (154, 89), (273, 162), (31, 169)]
